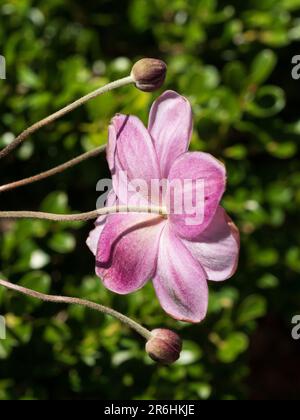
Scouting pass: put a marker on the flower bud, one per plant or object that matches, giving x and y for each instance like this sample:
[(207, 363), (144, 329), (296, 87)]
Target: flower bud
[(149, 74), (164, 346)]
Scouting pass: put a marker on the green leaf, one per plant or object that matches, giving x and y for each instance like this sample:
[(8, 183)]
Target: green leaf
[(229, 349), (284, 150), (190, 354), (62, 242), (235, 75), (269, 101), (38, 281), (267, 257), (55, 202), (253, 307), (268, 281), (38, 259), (293, 259), (262, 67), (238, 152)]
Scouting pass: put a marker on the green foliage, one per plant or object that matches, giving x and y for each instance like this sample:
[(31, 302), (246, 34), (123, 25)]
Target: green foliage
[(233, 62)]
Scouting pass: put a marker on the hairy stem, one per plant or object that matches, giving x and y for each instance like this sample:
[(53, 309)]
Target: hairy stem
[(51, 118), (82, 302), (82, 216), (53, 171)]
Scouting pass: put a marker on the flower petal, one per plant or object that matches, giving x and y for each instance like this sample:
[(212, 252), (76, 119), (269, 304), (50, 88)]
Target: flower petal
[(113, 129), (131, 151), (217, 248), (170, 125), (127, 251), (132, 160), (118, 226), (180, 282), (94, 236), (196, 185)]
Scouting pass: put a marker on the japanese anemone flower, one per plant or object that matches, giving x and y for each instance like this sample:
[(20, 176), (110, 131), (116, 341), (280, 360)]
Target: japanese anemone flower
[(180, 257)]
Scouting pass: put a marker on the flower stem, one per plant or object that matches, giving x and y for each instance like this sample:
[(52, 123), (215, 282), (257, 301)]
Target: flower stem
[(51, 118), (53, 171), (82, 216), (82, 302)]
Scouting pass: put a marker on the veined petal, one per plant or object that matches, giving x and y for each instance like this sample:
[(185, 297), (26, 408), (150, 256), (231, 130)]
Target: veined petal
[(127, 251), (180, 281), (217, 248), (196, 185), (132, 148), (94, 236), (119, 225), (132, 159), (170, 125)]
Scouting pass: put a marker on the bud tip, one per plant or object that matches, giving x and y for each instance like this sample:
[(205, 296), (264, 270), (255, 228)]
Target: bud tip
[(164, 346), (149, 74)]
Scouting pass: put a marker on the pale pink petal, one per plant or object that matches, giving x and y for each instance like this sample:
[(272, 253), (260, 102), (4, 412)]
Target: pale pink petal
[(180, 281), (111, 201), (217, 248), (93, 239), (113, 130), (132, 158), (94, 236), (131, 148), (202, 180), (170, 125), (127, 251), (120, 225)]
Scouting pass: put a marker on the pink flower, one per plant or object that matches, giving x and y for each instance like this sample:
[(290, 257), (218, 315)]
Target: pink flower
[(180, 257)]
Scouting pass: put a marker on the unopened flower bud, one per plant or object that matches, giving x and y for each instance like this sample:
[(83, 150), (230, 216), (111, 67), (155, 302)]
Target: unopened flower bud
[(164, 346), (149, 74)]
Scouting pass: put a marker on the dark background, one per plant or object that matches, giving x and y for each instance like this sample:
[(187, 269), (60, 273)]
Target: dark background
[(233, 61)]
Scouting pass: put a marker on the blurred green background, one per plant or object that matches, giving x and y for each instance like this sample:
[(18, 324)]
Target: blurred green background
[(233, 61)]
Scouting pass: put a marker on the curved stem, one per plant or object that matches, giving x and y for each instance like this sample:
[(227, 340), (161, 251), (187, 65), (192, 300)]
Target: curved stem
[(82, 216), (82, 302), (53, 171), (51, 118)]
